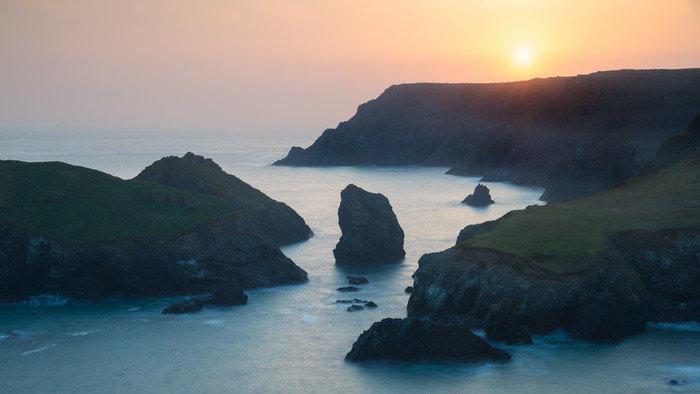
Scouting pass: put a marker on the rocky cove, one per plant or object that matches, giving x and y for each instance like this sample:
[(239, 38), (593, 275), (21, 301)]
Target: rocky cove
[(272, 343)]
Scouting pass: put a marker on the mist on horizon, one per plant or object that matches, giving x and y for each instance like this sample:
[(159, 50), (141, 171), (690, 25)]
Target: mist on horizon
[(271, 67)]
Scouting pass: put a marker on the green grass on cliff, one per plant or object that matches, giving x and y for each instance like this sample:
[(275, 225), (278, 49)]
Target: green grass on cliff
[(544, 234), (77, 203)]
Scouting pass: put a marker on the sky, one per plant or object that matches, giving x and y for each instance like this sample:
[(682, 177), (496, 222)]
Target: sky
[(300, 66)]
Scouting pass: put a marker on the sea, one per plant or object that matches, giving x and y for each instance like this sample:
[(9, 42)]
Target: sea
[(293, 339)]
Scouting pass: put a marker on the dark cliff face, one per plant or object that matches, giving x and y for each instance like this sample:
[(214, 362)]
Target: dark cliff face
[(209, 258), (81, 233), (195, 173), (370, 231), (642, 276), (572, 135)]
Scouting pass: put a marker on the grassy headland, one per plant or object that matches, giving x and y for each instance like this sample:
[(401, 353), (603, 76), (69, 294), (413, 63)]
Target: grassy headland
[(552, 236), (58, 199)]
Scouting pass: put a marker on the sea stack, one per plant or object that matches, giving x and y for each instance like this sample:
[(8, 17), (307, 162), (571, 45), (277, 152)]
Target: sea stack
[(480, 198), (371, 233)]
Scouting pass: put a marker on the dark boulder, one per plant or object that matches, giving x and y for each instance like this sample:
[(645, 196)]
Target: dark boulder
[(348, 288), (408, 290), (354, 308), (503, 324), (227, 297), (357, 280), (419, 340), (370, 231), (353, 301), (370, 304), (481, 197)]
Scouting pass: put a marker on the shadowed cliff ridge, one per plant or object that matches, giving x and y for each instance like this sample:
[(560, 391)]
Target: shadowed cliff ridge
[(572, 135)]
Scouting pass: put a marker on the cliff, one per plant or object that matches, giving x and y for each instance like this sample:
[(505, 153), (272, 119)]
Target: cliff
[(197, 174), (82, 233), (571, 135), (599, 266)]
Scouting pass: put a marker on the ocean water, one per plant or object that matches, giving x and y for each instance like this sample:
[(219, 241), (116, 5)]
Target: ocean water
[(294, 338)]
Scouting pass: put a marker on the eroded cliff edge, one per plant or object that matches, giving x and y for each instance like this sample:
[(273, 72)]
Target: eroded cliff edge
[(600, 267), (572, 135), (81, 233)]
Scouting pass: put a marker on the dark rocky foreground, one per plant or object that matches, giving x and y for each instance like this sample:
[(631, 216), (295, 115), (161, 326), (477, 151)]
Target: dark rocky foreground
[(419, 340), (195, 173), (641, 277), (572, 135), (371, 233), (214, 256)]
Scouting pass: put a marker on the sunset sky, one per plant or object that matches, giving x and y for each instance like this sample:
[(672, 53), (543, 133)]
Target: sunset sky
[(227, 66)]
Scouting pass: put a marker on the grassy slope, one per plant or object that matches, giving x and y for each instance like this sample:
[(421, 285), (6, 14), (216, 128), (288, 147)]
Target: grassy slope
[(77, 203), (545, 234)]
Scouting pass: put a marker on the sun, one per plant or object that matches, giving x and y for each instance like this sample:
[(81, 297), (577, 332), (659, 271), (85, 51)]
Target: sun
[(523, 56)]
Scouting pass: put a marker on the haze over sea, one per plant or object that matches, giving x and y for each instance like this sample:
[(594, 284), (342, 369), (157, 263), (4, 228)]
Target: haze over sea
[(294, 338)]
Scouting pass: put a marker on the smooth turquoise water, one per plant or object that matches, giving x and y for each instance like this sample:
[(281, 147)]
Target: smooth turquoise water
[(294, 338)]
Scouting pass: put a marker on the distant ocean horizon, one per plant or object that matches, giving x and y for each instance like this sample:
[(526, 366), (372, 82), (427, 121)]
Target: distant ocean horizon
[(294, 338)]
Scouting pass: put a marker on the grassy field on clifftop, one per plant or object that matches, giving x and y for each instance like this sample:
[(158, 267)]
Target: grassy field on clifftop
[(57, 199), (543, 234)]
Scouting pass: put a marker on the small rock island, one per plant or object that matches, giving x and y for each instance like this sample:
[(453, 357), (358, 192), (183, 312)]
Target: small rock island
[(480, 198), (371, 234)]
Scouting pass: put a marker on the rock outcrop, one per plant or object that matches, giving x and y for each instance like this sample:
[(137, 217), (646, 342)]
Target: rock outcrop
[(481, 197), (641, 277), (572, 135), (195, 173), (87, 235), (227, 297), (371, 233), (676, 148), (419, 340)]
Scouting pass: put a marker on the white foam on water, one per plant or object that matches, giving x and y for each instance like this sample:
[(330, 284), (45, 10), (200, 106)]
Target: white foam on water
[(41, 349), (80, 333)]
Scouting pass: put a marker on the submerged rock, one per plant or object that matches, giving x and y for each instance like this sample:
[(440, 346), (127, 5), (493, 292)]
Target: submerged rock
[(354, 308), (348, 288), (371, 233), (228, 297), (419, 340), (481, 197), (357, 280)]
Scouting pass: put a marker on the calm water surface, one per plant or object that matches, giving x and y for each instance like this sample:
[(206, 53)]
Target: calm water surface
[(294, 338)]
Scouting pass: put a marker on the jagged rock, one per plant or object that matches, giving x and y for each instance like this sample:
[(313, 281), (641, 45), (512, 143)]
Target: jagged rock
[(419, 340), (354, 308), (370, 231), (195, 173), (642, 276), (357, 280), (228, 297), (481, 197), (348, 288), (370, 304), (353, 301), (503, 324)]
